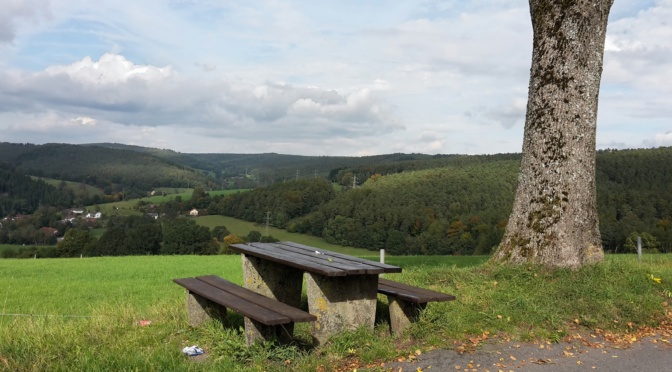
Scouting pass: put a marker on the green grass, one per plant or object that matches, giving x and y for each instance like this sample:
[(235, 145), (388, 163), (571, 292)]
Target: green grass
[(4, 247), (76, 187), (126, 207), (242, 228), (522, 302), (79, 285)]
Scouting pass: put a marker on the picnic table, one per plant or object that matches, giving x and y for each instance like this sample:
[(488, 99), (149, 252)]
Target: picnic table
[(342, 289)]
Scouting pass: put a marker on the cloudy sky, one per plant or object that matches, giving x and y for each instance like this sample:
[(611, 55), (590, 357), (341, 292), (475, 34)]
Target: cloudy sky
[(309, 77)]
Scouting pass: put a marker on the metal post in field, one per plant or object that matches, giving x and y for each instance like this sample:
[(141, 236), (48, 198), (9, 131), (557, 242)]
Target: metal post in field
[(639, 247)]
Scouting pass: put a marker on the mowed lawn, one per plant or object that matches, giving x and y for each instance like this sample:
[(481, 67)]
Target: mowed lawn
[(77, 286)]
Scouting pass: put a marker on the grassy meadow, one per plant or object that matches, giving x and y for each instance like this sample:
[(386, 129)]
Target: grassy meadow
[(242, 228), (86, 313), (79, 189), (126, 207)]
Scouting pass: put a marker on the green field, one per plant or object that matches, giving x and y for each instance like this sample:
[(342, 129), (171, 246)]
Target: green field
[(84, 314), (4, 247), (77, 286), (242, 228), (126, 207), (76, 187), (13, 246)]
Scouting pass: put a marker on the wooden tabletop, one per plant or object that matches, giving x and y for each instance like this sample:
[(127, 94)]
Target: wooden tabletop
[(314, 260)]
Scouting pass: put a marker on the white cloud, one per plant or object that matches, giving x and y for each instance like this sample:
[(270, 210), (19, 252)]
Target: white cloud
[(663, 139), (510, 114), (109, 69), (16, 12), (334, 78), (85, 120), (116, 90), (638, 52)]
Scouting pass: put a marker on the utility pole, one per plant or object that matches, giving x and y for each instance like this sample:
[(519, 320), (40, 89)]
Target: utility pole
[(354, 181), (268, 221)]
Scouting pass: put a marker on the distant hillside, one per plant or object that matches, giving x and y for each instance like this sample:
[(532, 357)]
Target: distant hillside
[(266, 169), (272, 167), (462, 207), (20, 194), (113, 170), (82, 192)]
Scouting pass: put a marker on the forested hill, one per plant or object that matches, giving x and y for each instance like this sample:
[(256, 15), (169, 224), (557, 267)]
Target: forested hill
[(269, 168), (463, 208), (109, 169), (21, 194), (448, 210), (634, 194)]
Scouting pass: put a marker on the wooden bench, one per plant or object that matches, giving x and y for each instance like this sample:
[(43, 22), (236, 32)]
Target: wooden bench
[(265, 318), (406, 302)]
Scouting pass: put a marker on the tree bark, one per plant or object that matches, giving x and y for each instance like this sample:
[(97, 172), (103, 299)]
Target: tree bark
[(554, 220)]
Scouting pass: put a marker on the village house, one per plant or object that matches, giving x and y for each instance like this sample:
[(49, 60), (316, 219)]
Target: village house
[(95, 215)]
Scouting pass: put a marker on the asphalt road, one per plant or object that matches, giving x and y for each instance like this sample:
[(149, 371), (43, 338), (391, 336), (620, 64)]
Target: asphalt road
[(649, 354)]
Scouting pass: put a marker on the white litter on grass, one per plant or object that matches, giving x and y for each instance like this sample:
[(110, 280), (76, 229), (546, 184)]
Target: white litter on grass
[(192, 350)]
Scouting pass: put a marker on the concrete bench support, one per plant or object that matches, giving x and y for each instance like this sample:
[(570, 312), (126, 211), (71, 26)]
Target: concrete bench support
[(403, 313), (281, 283), (407, 302), (341, 303), (200, 310)]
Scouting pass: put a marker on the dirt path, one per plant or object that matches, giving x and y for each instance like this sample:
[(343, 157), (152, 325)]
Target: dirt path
[(653, 353)]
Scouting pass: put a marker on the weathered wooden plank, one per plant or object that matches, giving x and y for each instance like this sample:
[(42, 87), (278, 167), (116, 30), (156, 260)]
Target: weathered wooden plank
[(410, 293), (295, 314), (284, 258), (322, 258), (386, 268), (226, 299)]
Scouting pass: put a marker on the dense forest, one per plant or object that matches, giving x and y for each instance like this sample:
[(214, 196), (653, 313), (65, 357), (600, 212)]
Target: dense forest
[(276, 204), (463, 208), (112, 170), (20, 194)]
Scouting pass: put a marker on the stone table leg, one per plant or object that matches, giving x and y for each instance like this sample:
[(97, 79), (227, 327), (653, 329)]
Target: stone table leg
[(200, 309), (403, 313), (275, 281), (341, 303)]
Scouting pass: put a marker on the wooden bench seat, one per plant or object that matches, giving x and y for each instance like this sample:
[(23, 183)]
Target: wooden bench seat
[(209, 297), (407, 301)]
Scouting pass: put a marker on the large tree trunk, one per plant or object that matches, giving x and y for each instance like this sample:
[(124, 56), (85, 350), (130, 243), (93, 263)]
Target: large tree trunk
[(554, 219)]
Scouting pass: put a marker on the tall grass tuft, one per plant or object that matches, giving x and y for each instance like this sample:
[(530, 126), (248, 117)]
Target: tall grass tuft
[(530, 302)]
